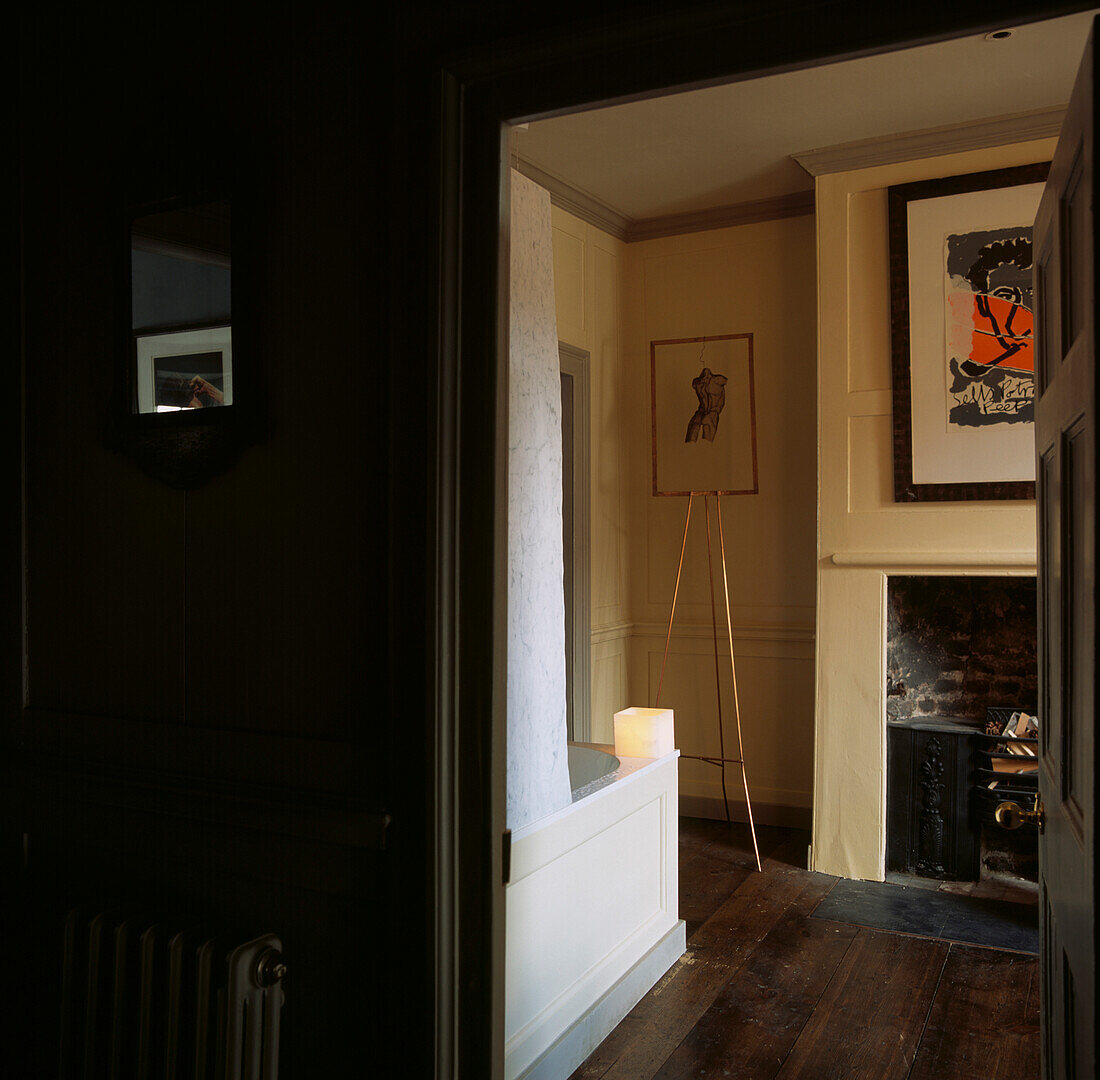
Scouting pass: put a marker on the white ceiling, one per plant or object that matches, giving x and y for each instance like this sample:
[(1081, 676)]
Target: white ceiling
[(731, 144)]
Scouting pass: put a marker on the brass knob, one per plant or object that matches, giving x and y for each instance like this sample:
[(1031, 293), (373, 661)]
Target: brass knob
[(1011, 815)]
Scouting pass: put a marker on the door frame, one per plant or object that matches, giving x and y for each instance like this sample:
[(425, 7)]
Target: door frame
[(563, 67), (573, 362)]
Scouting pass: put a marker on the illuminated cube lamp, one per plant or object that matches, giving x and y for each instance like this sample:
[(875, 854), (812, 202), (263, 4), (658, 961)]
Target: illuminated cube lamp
[(644, 733)]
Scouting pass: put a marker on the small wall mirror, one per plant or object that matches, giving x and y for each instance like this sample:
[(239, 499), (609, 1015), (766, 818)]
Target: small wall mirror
[(181, 309)]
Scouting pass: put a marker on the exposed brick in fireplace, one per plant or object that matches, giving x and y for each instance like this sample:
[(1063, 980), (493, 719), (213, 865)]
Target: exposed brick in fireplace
[(956, 645)]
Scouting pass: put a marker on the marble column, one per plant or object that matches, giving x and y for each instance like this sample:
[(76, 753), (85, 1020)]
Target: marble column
[(538, 778)]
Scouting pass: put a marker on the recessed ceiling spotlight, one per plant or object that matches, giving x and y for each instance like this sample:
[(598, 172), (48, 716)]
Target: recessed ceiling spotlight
[(999, 35)]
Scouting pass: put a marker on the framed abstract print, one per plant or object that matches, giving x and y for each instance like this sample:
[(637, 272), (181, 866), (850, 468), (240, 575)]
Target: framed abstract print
[(962, 332)]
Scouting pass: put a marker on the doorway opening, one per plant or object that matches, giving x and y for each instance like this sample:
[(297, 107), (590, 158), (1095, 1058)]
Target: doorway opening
[(626, 220), (496, 98), (863, 438)]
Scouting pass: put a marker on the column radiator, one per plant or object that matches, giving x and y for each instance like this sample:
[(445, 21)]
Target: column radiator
[(139, 1003)]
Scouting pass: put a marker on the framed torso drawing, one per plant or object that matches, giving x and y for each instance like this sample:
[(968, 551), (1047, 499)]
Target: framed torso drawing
[(704, 416), (963, 336)]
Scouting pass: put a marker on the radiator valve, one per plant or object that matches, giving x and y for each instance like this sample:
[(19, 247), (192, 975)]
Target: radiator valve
[(270, 967)]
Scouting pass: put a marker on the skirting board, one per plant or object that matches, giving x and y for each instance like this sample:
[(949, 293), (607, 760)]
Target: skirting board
[(561, 1059), (787, 817)]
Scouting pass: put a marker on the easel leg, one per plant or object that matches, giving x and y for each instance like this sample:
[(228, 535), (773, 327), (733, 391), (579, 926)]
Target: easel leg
[(721, 761), (733, 673), (717, 677), (675, 593)]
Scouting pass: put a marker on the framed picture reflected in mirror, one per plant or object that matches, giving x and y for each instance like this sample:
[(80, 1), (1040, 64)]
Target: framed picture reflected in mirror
[(184, 369)]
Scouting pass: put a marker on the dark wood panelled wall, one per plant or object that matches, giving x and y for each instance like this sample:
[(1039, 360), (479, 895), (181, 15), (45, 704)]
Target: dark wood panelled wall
[(205, 727), (211, 697)]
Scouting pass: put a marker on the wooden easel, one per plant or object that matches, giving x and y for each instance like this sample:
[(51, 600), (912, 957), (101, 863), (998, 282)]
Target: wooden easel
[(721, 761)]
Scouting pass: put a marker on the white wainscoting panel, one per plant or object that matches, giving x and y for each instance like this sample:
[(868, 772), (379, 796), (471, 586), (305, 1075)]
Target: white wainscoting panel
[(593, 894)]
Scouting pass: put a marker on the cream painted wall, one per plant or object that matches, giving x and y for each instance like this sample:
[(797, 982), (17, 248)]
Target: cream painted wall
[(863, 534), (757, 278), (613, 299)]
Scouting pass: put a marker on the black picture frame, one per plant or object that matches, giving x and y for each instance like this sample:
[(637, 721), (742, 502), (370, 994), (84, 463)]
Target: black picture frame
[(898, 199)]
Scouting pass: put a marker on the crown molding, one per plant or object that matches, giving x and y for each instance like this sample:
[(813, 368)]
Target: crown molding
[(862, 154), (722, 217), (932, 142), (591, 210), (576, 202)]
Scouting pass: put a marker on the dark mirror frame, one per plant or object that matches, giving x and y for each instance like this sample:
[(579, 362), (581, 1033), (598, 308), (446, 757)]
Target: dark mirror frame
[(183, 449)]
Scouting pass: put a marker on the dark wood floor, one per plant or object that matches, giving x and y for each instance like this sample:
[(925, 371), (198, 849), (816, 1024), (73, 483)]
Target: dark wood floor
[(764, 990)]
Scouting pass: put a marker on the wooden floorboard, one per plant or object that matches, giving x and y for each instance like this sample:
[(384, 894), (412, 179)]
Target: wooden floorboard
[(765, 991), (714, 861), (601, 1060), (755, 1020), (985, 1019), (868, 1023), (715, 953)]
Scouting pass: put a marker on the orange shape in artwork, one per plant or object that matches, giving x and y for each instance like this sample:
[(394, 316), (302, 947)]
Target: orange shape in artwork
[(1005, 325)]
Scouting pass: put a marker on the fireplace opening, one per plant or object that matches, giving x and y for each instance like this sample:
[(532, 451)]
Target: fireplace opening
[(960, 661)]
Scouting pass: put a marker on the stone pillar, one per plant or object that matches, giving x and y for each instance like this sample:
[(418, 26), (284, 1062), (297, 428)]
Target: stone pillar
[(538, 778)]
